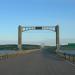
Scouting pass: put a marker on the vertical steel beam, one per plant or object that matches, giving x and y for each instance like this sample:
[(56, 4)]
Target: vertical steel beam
[(20, 37), (57, 37)]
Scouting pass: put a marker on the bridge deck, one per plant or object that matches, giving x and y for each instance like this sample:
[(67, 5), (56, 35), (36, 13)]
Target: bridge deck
[(36, 63)]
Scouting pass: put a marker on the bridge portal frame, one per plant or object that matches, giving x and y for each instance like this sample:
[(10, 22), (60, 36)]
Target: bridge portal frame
[(51, 28)]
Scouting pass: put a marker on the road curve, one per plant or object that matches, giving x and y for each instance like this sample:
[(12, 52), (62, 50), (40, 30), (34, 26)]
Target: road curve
[(37, 63)]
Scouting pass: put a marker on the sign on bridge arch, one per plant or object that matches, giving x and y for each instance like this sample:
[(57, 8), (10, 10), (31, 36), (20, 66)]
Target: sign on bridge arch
[(51, 28)]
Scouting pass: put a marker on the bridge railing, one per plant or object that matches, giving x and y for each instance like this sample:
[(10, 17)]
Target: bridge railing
[(71, 57), (16, 54), (67, 56)]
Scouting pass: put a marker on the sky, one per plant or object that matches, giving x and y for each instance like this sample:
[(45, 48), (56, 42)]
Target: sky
[(37, 13)]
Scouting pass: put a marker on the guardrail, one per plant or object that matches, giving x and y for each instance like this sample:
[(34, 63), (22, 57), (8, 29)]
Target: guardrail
[(18, 53), (71, 57), (67, 56), (6, 56)]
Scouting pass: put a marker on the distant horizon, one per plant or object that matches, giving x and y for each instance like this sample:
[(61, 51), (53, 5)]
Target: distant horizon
[(51, 43)]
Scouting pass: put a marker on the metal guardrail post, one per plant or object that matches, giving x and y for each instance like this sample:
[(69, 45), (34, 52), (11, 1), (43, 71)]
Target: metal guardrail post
[(73, 58), (69, 57), (65, 56)]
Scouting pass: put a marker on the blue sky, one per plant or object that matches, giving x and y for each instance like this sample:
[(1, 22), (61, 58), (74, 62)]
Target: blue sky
[(37, 13)]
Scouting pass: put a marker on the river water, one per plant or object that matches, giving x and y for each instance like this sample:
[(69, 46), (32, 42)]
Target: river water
[(7, 52), (69, 51)]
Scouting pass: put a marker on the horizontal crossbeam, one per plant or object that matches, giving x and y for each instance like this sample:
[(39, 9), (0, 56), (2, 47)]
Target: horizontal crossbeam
[(51, 28)]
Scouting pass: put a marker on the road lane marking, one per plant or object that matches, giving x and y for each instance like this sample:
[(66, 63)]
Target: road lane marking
[(70, 63)]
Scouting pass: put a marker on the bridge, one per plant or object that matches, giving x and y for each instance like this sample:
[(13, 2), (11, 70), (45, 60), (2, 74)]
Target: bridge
[(36, 62), (39, 62)]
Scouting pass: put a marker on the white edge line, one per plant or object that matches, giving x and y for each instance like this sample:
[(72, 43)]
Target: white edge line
[(70, 63)]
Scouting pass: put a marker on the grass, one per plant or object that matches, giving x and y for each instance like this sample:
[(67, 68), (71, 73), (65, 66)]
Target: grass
[(15, 47), (67, 47)]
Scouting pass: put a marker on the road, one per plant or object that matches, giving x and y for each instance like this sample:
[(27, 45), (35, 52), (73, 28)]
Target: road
[(36, 63)]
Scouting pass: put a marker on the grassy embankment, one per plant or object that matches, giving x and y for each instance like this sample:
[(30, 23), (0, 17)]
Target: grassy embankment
[(15, 47), (67, 47)]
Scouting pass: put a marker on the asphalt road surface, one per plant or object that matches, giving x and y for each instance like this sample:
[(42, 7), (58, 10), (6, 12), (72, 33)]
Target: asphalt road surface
[(36, 63)]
